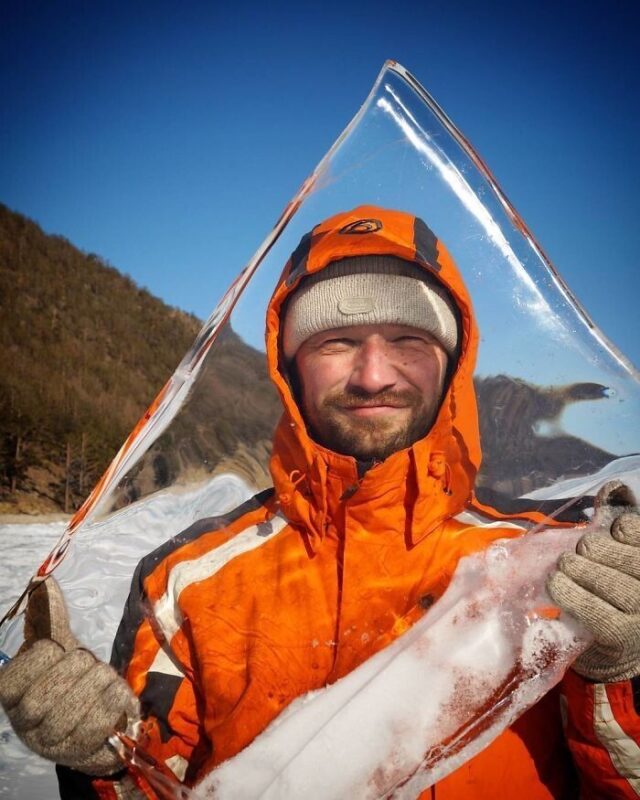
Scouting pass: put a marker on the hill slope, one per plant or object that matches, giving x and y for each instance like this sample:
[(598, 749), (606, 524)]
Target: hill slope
[(83, 351)]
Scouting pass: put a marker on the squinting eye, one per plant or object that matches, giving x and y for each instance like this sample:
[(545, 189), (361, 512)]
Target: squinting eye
[(344, 342)]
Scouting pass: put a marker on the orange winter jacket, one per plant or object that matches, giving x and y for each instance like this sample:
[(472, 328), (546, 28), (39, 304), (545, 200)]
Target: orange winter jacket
[(234, 618)]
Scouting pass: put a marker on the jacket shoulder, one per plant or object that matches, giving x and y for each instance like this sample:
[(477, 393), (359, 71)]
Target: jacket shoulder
[(251, 512), (250, 508)]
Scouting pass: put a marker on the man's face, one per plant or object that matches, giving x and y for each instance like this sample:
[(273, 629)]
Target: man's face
[(370, 390)]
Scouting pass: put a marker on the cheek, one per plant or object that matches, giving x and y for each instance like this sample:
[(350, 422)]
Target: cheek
[(319, 377), (428, 375)]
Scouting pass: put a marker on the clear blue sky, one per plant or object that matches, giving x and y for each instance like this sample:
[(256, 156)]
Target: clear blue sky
[(168, 136)]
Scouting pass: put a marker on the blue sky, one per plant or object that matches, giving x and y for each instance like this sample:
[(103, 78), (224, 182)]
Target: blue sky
[(168, 136)]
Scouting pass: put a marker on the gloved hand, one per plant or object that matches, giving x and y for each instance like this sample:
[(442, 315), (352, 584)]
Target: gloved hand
[(600, 586), (61, 700)]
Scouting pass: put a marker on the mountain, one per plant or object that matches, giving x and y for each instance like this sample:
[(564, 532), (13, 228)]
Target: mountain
[(83, 351), (518, 457)]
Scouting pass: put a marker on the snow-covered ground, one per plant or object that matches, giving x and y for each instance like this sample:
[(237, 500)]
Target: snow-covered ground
[(626, 469), (24, 547)]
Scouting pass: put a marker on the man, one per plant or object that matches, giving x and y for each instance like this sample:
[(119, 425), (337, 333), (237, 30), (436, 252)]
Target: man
[(371, 344)]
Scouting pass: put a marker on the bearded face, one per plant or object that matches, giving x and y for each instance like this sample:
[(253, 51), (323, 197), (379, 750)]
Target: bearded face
[(370, 390)]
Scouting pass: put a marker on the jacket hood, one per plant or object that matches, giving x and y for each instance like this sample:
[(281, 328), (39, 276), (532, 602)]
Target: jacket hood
[(433, 479)]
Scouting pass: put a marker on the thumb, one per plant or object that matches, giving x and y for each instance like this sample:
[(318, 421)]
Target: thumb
[(46, 616), (613, 499)]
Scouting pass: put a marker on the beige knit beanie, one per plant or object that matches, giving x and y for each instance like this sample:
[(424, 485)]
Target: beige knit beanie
[(369, 290)]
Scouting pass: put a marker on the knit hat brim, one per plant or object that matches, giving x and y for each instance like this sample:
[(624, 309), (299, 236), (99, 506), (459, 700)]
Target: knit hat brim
[(369, 290)]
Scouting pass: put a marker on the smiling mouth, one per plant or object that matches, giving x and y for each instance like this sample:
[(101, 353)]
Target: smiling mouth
[(371, 409)]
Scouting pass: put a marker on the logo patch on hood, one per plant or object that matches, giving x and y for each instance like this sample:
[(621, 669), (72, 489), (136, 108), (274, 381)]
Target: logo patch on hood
[(362, 226)]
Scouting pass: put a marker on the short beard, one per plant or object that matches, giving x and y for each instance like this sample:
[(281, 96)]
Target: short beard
[(369, 439)]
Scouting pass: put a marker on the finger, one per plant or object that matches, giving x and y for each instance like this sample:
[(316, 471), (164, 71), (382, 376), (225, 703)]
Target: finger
[(119, 695), (26, 669), (613, 586), (112, 706), (83, 709), (59, 616), (104, 761), (626, 529), (606, 550), (46, 616), (607, 624), (107, 716), (51, 688), (614, 493)]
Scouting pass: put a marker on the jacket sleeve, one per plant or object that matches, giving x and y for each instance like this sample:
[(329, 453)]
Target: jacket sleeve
[(158, 665), (171, 731), (603, 733)]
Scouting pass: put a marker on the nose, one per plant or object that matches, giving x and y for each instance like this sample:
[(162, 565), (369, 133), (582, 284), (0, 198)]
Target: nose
[(373, 370)]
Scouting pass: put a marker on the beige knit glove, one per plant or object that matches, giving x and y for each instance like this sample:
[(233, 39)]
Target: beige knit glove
[(600, 586), (61, 701)]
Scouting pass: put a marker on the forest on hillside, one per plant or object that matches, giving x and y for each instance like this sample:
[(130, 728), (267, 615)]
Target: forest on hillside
[(84, 350)]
